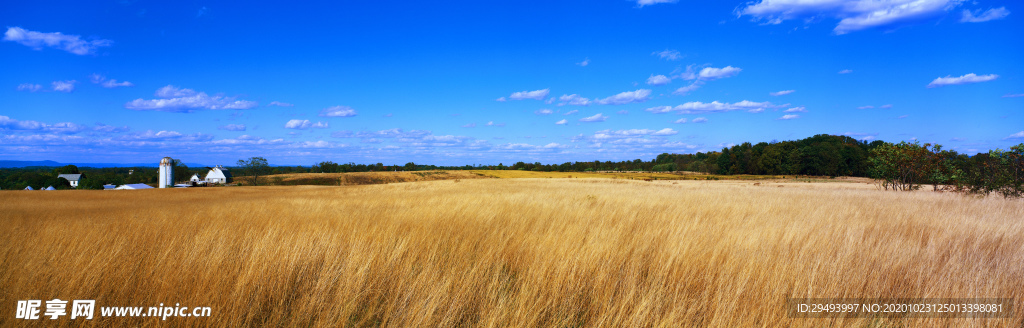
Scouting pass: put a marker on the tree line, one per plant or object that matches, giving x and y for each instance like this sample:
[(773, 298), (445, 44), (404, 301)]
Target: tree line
[(897, 166)]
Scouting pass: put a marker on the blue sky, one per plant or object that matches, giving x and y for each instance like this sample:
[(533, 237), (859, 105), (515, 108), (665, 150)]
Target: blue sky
[(483, 82)]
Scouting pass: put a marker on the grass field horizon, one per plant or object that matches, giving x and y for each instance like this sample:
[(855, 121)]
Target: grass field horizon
[(544, 252)]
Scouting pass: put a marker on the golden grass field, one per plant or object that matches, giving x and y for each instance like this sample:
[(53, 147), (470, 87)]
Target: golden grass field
[(509, 252)]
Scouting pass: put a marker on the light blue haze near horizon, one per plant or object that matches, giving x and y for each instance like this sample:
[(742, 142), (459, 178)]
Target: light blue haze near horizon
[(488, 82)]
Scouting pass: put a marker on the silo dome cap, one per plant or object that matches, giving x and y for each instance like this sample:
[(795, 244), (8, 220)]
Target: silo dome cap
[(166, 160)]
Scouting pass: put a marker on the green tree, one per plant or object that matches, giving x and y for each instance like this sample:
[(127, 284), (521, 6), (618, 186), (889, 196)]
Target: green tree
[(253, 168)]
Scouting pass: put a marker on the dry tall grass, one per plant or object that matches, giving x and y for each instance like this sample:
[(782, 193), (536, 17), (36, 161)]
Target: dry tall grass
[(359, 178), (507, 253)]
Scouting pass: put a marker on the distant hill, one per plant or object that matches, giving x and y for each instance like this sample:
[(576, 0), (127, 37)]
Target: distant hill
[(16, 164)]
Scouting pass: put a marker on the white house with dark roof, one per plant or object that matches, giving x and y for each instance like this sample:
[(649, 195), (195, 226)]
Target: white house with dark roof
[(72, 178), (218, 174)]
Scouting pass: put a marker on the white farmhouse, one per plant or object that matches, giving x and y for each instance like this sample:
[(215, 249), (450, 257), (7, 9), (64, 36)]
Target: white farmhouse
[(218, 175), (72, 178), (195, 179)]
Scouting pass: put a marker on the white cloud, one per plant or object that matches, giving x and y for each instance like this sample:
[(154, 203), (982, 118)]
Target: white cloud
[(280, 104), (70, 43), (100, 127), (574, 100), (535, 95), (789, 117), (109, 83), (338, 111), (29, 87), (658, 80), (232, 127), (668, 54), (617, 134), (665, 132), (886, 106), (700, 120), (501, 99), (680, 121), (571, 112), (866, 107), (963, 79), (1010, 95), (991, 14), (1018, 135), (642, 3), (491, 123), (687, 89), (64, 86), (711, 73), (697, 107), (304, 124), (543, 112), (622, 112), (584, 63), (846, 71), (854, 15), (782, 93), (7, 123), (470, 125), (179, 100), (627, 97), (800, 109), (596, 118), (562, 122), (166, 135)]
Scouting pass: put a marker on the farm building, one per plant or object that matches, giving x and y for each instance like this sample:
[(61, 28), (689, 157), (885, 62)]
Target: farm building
[(30, 188), (50, 188), (195, 179), (72, 178), (218, 175), (133, 186)]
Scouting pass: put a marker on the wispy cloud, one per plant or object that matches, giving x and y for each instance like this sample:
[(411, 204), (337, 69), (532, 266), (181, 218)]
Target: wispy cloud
[(781, 93), (543, 112), (305, 124), (491, 123), (853, 15), (338, 111), (108, 83), (535, 95), (680, 121), (991, 14), (562, 122), (596, 118), (232, 127), (682, 91), (7, 123), (800, 109), (584, 63), (846, 71), (571, 112), (574, 100), (658, 80), (470, 125), (642, 3), (789, 117), (64, 86), (697, 107), (700, 120), (1018, 135), (712, 73), (280, 104), (627, 97), (963, 79), (668, 54), (180, 100), (70, 43), (29, 87), (1009, 95)]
